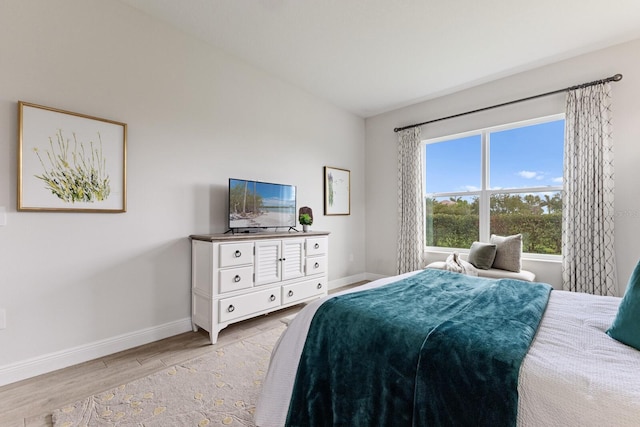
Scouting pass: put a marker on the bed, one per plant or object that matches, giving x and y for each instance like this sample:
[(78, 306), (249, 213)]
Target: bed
[(571, 374)]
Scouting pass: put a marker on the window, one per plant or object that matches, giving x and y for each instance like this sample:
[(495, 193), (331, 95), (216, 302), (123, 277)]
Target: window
[(502, 180)]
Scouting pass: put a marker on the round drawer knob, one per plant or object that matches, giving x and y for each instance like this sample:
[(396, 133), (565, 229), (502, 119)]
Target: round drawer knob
[(272, 298), (319, 285), (230, 308), (316, 246), (290, 293), (237, 254), (316, 265), (237, 278)]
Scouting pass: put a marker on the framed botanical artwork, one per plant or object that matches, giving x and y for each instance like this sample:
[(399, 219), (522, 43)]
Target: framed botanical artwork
[(70, 162), (337, 191)]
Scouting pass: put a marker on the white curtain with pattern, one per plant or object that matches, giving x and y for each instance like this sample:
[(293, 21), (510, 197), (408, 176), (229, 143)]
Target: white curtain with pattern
[(588, 263), (410, 201)]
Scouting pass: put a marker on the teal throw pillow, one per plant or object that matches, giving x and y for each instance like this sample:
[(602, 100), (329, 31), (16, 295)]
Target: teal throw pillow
[(481, 255), (626, 325)]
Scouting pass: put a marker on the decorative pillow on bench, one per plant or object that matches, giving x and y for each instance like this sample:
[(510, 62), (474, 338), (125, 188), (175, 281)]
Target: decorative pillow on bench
[(481, 255), (508, 252)]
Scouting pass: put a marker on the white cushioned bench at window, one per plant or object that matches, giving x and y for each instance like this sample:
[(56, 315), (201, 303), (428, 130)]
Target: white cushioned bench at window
[(498, 259), (493, 273)]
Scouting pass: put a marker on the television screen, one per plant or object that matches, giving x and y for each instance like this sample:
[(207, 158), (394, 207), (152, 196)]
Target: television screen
[(254, 204)]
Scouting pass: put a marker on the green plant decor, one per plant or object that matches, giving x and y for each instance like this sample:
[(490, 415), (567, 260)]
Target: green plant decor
[(305, 219), (79, 176)]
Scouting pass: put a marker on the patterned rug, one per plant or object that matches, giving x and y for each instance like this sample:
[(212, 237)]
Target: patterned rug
[(220, 388)]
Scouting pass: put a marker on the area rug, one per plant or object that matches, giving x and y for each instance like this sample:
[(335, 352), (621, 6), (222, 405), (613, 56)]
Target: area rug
[(220, 388)]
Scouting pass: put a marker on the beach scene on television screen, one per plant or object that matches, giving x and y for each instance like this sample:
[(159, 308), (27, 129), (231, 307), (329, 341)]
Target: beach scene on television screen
[(258, 204)]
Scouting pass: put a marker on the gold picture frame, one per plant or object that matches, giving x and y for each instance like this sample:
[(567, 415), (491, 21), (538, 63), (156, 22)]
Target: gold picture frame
[(70, 162), (337, 191)]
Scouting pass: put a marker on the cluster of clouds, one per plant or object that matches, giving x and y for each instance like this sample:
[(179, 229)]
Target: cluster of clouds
[(539, 176)]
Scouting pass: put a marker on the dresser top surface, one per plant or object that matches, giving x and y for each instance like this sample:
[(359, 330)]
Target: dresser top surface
[(256, 236)]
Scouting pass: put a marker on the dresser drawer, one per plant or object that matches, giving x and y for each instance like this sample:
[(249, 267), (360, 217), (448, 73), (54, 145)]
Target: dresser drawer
[(232, 254), (234, 279), (244, 305), (316, 246), (304, 290), (316, 265)]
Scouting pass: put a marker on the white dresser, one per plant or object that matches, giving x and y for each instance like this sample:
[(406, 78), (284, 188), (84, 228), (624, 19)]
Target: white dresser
[(238, 276)]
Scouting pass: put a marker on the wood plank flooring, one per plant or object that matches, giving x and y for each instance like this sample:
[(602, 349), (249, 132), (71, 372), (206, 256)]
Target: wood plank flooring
[(29, 403)]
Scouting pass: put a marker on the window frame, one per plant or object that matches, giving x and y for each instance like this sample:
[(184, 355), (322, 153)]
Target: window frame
[(484, 194)]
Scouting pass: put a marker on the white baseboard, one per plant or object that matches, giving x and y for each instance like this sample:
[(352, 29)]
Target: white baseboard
[(72, 356), (344, 281), (373, 276), (61, 359), (355, 278)]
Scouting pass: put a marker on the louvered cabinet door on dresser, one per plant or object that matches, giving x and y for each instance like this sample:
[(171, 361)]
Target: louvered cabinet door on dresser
[(236, 277)]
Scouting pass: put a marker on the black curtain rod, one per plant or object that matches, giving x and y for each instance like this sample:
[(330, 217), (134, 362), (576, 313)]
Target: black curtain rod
[(615, 78)]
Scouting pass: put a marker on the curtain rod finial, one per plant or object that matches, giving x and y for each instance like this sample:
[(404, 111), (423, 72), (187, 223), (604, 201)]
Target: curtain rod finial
[(617, 77)]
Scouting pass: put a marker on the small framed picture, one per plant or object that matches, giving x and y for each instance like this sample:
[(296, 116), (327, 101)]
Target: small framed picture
[(70, 162), (337, 191)]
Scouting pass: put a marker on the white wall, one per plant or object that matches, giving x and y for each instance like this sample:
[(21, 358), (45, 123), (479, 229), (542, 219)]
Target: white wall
[(75, 285), (381, 156)]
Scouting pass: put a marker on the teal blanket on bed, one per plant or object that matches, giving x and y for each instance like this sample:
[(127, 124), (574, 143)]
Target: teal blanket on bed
[(435, 349)]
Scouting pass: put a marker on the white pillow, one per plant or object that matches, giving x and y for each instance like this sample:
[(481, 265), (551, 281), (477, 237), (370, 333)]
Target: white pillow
[(508, 252)]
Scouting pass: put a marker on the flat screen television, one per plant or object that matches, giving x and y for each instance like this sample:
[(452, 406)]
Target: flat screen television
[(255, 204)]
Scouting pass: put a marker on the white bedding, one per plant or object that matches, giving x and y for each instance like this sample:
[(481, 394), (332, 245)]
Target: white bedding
[(573, 375)]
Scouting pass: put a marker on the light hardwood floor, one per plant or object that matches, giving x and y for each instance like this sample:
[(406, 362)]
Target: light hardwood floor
[(29, 403)]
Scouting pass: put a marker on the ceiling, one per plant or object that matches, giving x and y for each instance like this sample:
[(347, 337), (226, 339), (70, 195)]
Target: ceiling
[(372, 56)]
